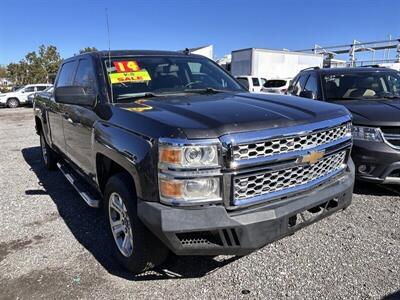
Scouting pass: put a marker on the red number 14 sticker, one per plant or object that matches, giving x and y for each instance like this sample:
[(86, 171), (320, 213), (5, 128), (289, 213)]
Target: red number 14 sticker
[(126, 66)]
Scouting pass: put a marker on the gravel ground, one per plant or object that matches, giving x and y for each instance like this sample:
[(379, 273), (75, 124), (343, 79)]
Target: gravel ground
[(53, 246)]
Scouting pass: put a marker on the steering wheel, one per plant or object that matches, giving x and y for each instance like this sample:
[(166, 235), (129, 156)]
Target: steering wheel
[(192, 82)]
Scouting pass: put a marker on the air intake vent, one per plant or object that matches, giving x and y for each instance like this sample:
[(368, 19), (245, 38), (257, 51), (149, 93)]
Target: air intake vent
[(199, 238)]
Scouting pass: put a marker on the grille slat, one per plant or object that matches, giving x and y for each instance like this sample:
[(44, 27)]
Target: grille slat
[(288, 144), (259, 184)]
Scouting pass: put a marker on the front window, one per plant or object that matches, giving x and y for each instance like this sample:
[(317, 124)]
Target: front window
[(162, 75), (362, 85)]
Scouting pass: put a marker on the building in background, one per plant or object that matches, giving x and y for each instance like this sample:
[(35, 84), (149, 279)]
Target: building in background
[(207, 51), (272, 64)]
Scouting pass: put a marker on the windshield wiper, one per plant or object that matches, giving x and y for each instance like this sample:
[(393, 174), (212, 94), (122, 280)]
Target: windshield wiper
[(137, 95), (391, 96), (208, 90)]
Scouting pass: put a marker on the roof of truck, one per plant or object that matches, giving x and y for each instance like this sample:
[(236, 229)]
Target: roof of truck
[(113, 53)]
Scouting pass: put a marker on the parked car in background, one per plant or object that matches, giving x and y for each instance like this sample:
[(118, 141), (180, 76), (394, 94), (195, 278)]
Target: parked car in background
[(276, 86), (372, 95), (182, 158), (251, 83), (20, 96), (31, 97)]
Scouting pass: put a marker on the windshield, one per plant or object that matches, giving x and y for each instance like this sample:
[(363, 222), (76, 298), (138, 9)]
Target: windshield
[(165, 75), (362, 85)]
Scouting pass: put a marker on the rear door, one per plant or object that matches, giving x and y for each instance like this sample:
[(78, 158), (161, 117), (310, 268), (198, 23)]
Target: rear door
[(25, 93), (79, 120), (56, 110)]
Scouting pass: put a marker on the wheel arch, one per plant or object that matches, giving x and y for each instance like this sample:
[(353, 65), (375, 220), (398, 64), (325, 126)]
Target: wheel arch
[(106, 167)]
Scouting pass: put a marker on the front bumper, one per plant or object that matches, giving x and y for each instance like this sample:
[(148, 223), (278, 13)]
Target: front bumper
[(381, 160), (214, 231)]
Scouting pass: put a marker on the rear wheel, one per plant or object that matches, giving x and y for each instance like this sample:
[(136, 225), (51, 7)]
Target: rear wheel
[(135, 247), (48, 156), (13, 103)]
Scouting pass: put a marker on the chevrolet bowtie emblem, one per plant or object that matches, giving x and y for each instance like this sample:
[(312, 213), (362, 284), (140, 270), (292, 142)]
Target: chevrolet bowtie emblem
[(311, 158)]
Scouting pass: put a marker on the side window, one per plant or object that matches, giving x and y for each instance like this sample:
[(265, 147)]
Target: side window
[(292, 84), (263, 81), (255, 81), (312, 84), (243, 82), (40, 88), (66, 73), (85, 75), (299, 86), (194, 67), (29, 89)]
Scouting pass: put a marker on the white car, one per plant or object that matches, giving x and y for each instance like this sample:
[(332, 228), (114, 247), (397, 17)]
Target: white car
[(276, 86), (252, 83), (20, 96)]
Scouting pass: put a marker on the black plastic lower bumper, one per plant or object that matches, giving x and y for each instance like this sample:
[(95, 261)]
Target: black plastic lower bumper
[(381, 162), (214, 231)]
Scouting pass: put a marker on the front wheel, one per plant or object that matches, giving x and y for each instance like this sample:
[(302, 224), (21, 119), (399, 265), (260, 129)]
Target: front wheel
[(135, 247), (13, 103)]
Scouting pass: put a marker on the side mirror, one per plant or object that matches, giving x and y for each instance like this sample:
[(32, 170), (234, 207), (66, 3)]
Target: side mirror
[(77, 95), (307, 94)]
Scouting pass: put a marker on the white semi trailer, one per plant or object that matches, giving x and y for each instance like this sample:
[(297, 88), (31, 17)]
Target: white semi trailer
[(272, 64)]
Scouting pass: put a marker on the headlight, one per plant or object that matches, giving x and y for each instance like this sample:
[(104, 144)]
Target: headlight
[(187, 191), (2, 95), (367, 133), (188, 156)]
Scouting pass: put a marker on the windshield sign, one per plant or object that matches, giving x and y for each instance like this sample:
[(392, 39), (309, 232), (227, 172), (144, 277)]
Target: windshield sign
[(362, 85), (158, 75)]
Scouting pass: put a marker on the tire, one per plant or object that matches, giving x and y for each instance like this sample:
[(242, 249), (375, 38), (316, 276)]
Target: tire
[(13, 103), (49, 158), (143, 251)]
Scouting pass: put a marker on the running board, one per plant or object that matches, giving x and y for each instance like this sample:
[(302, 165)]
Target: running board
[(79, 187)]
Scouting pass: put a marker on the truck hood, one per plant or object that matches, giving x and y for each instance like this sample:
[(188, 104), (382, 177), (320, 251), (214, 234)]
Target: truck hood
[(214, 115), (381, 112)]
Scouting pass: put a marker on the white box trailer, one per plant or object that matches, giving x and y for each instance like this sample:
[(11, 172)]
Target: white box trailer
[(272, 64)]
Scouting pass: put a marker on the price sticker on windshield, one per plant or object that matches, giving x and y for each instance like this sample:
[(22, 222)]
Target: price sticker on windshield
[(126, 66), (140, 76)]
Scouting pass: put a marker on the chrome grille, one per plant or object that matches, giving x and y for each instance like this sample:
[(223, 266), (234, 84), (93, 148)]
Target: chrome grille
[(392, 136), (282, 180), (288, 144)]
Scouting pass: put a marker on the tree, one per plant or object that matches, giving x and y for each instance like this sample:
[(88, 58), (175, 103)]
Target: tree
[(3, 72), (36, 67), (87, 49)]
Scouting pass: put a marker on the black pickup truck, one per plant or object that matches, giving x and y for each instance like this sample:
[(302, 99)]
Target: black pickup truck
[(182, 158)]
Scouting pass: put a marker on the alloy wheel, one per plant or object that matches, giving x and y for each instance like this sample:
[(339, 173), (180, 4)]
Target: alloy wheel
[(120, 224)]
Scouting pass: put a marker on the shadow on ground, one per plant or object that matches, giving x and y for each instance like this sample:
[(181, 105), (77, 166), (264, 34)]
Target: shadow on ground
[(367, 188), (394, 296), (89, 228)]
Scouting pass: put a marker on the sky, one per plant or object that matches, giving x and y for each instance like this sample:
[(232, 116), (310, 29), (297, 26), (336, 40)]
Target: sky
[(172, 24)]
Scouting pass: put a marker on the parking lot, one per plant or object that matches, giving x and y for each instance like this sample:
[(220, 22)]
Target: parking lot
[(52, 245)]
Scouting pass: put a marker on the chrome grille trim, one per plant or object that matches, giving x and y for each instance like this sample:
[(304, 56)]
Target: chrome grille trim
[(272, 184), (391, 137), (287, 144)]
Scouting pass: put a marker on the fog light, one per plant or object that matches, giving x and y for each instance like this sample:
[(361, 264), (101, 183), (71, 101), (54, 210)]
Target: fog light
[(362, 169)]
